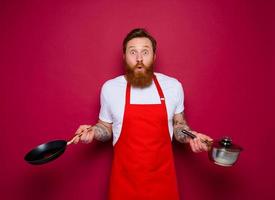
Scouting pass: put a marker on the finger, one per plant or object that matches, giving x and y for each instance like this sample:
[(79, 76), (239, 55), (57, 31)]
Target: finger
[(89, 134), (191, 143), (91, 137), (205, 137), (197, 144), (87, 138), (79, 130), (80, 138), (83, 135), (82, 128), (204, 145), (201, 145), (194, 146), (76, 140)]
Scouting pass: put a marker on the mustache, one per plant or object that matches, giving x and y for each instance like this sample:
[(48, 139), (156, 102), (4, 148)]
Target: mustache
[(139, 64)]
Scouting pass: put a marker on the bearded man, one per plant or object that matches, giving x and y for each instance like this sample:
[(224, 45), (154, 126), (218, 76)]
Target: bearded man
[(142, 111)]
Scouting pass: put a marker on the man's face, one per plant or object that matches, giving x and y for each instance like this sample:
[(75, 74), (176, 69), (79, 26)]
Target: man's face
[(139, 58)]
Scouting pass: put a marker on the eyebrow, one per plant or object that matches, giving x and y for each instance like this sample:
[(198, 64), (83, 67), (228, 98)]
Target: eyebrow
[(135, 46)]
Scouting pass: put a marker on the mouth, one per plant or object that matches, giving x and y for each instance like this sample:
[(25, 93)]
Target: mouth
[(140, 68)]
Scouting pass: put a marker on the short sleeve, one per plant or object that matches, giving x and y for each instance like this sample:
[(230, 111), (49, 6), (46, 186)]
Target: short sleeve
[(105, 112), (180, 97)]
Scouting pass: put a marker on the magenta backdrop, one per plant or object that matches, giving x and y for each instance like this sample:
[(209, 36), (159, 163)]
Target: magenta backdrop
[(55, 55)]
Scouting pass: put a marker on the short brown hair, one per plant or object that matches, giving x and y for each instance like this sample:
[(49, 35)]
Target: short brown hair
[(136, 33)]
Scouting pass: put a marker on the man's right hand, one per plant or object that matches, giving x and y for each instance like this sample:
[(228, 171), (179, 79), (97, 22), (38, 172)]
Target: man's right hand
[(87, 134)]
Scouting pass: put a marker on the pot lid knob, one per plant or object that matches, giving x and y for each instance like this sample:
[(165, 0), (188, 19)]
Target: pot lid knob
[(226, 142)]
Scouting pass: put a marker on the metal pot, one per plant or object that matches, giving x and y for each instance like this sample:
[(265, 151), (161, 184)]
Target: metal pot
[(222, 152)]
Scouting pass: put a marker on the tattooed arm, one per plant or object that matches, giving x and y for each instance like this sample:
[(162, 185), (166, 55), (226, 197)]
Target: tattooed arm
[(179, 125), (102, 131), (196, 144)]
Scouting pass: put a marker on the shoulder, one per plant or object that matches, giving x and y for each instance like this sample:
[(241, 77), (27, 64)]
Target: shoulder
[(168, 81), (114, 84)]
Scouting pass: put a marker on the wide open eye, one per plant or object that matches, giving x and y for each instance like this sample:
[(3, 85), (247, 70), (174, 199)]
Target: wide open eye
[(145, 52), (132, 52)]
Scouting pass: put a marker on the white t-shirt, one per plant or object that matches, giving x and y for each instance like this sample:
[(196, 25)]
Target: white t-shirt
[(112, 100)]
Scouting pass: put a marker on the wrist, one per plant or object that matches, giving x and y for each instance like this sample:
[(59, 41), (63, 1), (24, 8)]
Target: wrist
[(181, 136)]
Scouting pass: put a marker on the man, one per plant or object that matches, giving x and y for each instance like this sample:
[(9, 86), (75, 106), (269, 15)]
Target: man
[(142, 111)]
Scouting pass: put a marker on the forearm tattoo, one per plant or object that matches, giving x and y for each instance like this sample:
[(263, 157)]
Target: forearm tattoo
[(179, 125), (102, 133)]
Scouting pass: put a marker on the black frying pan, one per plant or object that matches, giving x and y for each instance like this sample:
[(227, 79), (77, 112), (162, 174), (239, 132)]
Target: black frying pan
[(48, 151)]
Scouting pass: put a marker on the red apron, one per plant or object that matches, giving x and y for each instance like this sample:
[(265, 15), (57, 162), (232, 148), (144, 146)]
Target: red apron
[(143, 164)]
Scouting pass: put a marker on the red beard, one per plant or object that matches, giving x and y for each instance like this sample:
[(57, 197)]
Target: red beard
[(139, 79)]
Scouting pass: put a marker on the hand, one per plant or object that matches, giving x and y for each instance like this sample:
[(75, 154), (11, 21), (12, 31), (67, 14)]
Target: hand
[(87, 135), (197, 145)]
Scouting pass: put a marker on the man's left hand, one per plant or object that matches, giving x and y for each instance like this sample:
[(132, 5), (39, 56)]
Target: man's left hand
[(197, 144)]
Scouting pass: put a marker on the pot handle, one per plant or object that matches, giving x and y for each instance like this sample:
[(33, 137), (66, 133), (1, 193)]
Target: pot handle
[(78, 135), (188, 133)]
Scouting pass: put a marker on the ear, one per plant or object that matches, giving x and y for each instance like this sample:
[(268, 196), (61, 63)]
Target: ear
[(123, 56), (155, 56)]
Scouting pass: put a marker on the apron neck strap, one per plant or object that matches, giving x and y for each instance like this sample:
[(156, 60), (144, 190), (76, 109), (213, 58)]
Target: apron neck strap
[(128, 91)]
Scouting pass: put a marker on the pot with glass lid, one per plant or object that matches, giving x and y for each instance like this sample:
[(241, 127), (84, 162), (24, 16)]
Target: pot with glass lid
[(222, 152)]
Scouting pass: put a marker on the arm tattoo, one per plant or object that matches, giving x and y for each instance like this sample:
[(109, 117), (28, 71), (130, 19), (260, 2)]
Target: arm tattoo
[(179, 125), (102, 133)]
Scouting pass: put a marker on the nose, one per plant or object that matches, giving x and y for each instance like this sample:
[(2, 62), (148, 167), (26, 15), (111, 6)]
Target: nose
[(139, 57)]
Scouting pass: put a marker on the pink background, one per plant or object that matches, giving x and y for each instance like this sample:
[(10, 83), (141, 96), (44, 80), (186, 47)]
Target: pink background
[(55, 55)]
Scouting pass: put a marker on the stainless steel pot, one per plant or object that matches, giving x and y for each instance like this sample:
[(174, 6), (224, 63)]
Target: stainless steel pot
[(222, 152)]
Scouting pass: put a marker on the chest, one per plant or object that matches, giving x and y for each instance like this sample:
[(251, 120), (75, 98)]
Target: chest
[(142, 96)]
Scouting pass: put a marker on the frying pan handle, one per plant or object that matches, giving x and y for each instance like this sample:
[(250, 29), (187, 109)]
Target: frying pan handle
[(188, 133), (78, 135)]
